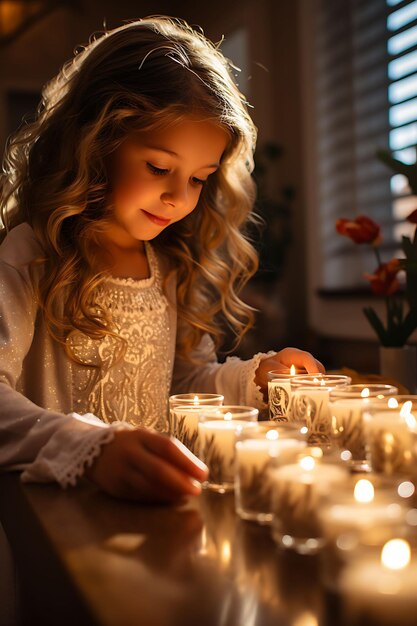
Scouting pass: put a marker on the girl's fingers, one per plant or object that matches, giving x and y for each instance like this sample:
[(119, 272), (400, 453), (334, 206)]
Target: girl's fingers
[(300, 358), (175, 453), (158, 471)]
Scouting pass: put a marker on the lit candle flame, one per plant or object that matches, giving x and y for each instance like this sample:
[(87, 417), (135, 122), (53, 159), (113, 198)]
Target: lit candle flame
[(307, 463), (365, 393), (406, 414), (226, 552), (272, 435), (396, 554), (228, 416), (364, 491), (316, 452), (392, 403), (292, 370), (196, 400)]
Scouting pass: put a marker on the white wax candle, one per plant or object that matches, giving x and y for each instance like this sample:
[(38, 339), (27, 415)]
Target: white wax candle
[(186, 429), (346, 419), (389, 596), (389, 442), (217, 441), (311, 404), (341, 518), (279, 396), (253, 485), (296, 494)]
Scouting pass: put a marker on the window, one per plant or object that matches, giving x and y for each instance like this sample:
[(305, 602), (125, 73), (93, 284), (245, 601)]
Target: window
[(359, 73), (402, 96), (366, 99)]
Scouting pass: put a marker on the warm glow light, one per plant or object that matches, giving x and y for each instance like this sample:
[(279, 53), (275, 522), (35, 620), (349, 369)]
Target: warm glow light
[(406, 414), (365, 393), (305, 619), (364, 491), (292, 370), (303, 430), (396, 554), (228, 416), (272, 435), (307, 463), (315, 380), (316, 453), (406, 489), (226, 552), (196, 400), (392, 403)]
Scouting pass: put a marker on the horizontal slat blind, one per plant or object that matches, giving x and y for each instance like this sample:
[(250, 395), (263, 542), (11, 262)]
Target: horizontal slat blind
[(402, 95), (352, 123)]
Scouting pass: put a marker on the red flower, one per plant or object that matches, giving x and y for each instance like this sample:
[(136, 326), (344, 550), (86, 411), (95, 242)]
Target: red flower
[(384, 282), (412, 218), (360, 230)]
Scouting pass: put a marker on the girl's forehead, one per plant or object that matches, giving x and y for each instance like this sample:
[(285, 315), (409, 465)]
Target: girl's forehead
[(188, 134)]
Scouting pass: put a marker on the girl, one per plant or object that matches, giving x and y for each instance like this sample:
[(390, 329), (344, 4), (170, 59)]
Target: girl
[(143, 137)]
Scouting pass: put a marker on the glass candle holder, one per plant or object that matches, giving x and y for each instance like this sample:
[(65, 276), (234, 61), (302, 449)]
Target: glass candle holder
[(379, 584), (346, 406), (255, 447), (390, 428), (217, 429), (310, 403), (185, 418), (279, 392), (192, 400), (367, 508), (297, 490)]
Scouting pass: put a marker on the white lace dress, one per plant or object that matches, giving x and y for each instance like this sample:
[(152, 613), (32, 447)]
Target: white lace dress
[(130, 382), (55, 415)]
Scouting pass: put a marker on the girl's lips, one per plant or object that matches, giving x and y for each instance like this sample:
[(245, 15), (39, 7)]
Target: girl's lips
[(160, 221)]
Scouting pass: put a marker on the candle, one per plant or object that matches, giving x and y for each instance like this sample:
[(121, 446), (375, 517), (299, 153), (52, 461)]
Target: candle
[(310, 403), (296, 494), (360, 508), (279, 392), (217, 430), (192, 400), (254, 450), (346, 407), (383, 587), (390, 433), (186, 425)]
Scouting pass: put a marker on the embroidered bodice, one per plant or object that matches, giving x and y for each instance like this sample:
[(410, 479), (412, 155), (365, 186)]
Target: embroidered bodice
[(135, 387)]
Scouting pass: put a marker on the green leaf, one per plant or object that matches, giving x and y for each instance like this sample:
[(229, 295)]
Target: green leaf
[(409, 171), (376, 324)]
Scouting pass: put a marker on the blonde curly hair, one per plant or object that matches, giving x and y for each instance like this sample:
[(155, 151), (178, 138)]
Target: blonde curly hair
[(140, 76)]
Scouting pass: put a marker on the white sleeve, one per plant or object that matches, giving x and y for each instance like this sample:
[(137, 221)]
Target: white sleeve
[(48, 445), (234, 378)]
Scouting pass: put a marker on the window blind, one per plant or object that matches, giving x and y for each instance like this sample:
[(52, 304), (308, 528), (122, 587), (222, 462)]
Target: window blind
[(402, 96), (352, 117)]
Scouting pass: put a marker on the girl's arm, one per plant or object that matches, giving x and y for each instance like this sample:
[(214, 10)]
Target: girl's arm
[(241, 382), (53, 446)]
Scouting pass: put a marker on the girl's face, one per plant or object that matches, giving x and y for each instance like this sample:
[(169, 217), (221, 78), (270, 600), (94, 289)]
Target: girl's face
[(158, 176)]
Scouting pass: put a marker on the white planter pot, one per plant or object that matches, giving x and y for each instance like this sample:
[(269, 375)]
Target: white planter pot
[(400, 364)]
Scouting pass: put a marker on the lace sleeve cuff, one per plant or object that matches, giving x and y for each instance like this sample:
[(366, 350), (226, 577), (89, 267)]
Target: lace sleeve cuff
[(250, 391), (71, 449)]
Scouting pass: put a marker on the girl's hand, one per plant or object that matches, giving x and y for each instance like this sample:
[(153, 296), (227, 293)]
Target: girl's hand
[(283, 360), (146, 466)]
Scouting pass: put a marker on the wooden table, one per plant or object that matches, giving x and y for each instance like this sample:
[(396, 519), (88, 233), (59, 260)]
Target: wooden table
[(86, 558)]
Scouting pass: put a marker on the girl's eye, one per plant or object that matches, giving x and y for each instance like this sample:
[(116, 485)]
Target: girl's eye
[(198, 181), (156, 170)]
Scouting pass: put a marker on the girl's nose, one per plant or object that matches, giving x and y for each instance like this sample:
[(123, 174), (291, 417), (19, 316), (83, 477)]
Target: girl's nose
[(176, 195)]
